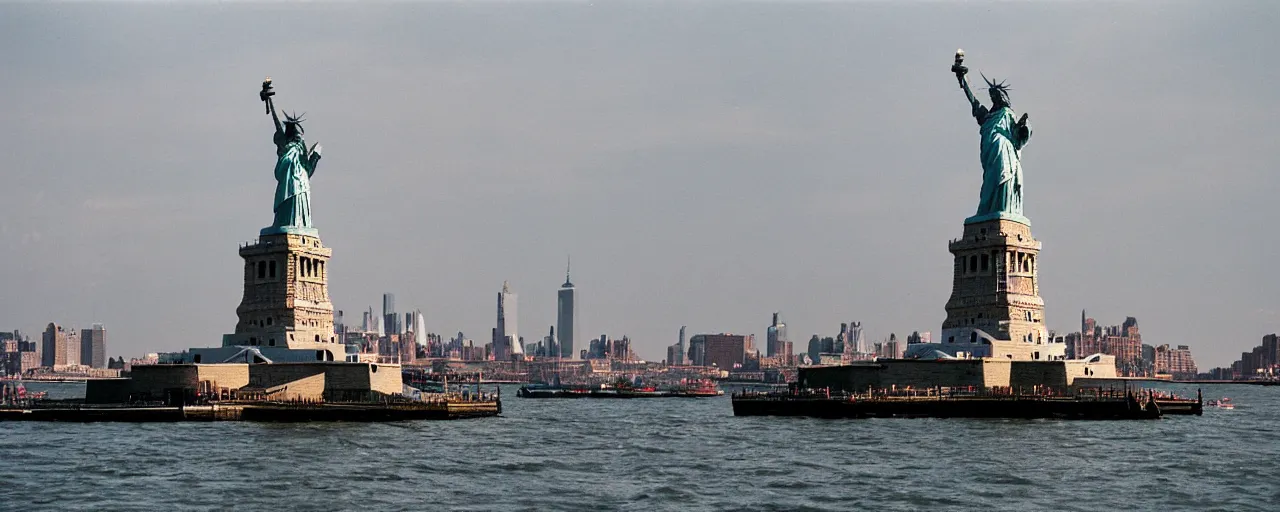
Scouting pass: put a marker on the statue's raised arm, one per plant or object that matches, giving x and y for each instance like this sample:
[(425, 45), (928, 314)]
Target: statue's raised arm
[(979, 111), (265, 96), (1001, 139)]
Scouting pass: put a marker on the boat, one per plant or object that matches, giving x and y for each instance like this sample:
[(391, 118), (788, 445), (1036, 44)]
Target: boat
[(697, 389), (620, 389)]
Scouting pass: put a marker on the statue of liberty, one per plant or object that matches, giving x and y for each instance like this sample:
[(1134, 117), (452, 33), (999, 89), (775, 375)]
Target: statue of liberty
[(1002, 140), (294, 166)]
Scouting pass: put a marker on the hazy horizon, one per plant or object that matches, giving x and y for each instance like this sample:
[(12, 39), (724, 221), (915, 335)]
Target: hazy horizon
[(705, 164)]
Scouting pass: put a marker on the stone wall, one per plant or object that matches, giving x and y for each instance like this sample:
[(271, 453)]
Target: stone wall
[(268, 376), (1028, 374), (306, 388), (1103, 368), (386, 379), (152, 380), (978, 373), (995, 372), (341, 380), (107, 391), (899, 373), (230, 375)]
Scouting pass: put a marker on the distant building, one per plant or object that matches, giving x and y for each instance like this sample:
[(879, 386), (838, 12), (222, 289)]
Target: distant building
[(857, 346), (390, 320), (417, 322), (697, 353), (53, 346), (93, 347), (676, 353), (1263, 362), (683, 345), (723, 350), (566, 316), (506, 338), (776, 337), (406, 347), (674, 357), (1176, 362), (891, 349)]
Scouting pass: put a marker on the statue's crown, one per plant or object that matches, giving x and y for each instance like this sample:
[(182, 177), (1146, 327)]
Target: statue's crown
[(293, 118), (999, 86)]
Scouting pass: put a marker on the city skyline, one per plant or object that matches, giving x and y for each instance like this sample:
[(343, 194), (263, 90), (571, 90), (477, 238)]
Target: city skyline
[(854, 163)]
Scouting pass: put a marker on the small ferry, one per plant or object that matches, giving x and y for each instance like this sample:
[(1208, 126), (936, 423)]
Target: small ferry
[(1224, 403)]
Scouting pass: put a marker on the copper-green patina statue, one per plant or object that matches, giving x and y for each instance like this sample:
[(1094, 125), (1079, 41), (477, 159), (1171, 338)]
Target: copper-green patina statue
[(1002, 140), (294, 166)]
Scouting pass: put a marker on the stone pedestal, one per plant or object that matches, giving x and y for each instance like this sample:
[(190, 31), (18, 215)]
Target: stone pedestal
[(995, 304), (286, 295)]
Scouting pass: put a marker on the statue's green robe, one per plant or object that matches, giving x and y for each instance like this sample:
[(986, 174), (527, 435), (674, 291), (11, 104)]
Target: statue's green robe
[(1002, 142), (294, 167)]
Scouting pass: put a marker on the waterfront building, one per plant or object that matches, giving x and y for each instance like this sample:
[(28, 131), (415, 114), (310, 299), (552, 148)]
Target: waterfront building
[(506, 340), (722, 350), (10, 356), (1174, 362), (93, 347), (1263, 362), (566, 316), (1123, 341)]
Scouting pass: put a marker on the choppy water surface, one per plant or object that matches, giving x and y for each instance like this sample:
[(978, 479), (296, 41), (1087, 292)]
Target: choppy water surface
[(670, 454)]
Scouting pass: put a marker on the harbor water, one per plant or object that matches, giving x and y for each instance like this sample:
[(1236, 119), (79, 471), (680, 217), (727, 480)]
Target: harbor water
[(656, 454)]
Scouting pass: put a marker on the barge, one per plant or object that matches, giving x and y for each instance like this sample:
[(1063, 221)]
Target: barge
[(437, 408), (1096, 406)]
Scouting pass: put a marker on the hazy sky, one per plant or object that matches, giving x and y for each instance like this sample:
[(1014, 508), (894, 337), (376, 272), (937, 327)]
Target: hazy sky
[(704, 163)]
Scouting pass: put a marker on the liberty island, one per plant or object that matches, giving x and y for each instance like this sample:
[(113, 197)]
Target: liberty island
[(283, 362), (995, 358)]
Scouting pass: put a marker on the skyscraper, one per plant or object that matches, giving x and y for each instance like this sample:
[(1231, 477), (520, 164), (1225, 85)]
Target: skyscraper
[(566, 316), (53, 346), (506, 342), (93, 347), (682, 347), (420, 327), (390, 321), (775, 338)]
